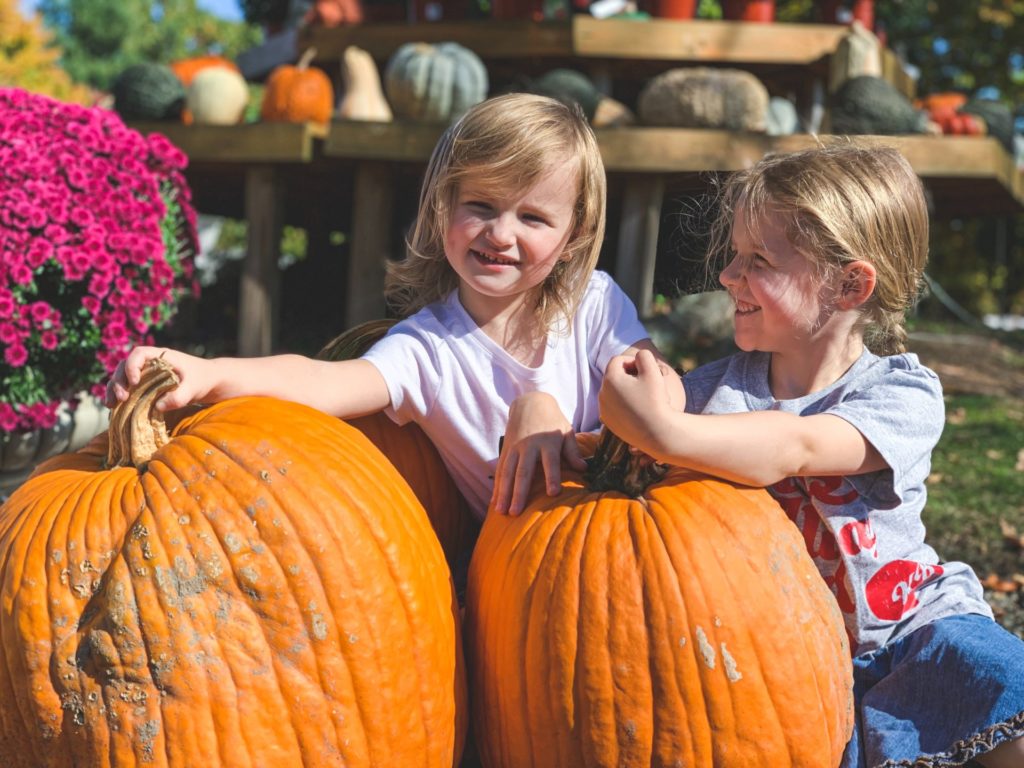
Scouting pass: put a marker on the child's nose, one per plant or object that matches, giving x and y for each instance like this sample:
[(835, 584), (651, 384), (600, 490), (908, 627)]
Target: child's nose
[(730, 275), (502, 231)]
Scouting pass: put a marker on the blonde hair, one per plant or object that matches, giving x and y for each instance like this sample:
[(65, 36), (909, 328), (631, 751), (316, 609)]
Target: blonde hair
[(844, 203), (508, 142)]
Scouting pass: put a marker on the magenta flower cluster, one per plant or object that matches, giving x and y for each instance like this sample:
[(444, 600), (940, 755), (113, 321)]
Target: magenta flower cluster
[(97, 237)]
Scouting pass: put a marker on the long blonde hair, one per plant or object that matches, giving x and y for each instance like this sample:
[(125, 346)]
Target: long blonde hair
[(843, 202), (510, 142)]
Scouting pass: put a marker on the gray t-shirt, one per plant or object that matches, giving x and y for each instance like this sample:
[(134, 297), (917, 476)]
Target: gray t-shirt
[(864, 532)]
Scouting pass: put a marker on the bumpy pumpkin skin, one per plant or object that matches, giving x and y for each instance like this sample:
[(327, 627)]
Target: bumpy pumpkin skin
[(687, 627), (267, 591)]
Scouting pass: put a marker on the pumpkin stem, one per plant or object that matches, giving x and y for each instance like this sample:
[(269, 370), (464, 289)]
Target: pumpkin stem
[(307, 58), (137, 430), (355, 341), (614, 467)]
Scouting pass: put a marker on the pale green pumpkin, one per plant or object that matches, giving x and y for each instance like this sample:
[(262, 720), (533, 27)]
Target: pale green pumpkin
[(434, 83)]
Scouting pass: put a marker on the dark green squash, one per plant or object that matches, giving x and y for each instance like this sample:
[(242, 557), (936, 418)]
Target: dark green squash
[(148, 92)]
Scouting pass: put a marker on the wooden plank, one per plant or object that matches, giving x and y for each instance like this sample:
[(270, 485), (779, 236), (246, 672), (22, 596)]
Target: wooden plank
[(704, 40), (258, 292), (412, 142), (638, 239), (682, 150), (488, 39), (894, 72), (372, 219), (247, 143), (586, 37)]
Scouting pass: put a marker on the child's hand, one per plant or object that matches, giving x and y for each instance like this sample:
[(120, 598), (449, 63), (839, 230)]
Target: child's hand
[(193, 372), (537, 431), (634, 395)]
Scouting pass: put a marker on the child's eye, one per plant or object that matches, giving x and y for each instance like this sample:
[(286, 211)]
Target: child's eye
[(534, 217)]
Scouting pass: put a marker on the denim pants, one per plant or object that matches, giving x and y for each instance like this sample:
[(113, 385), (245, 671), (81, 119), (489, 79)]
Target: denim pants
[(941, 696)]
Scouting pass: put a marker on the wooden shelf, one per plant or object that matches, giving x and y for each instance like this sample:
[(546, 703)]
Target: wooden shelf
[(248, 143), (967, 175), (585, 37)]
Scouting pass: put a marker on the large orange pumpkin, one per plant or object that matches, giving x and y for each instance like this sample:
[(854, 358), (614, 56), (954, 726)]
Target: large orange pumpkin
[(261, 589), (298, 94), (411, 452), (679, 623)]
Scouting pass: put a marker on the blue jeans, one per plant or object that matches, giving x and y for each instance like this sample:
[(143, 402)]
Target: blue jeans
[(942, 695)]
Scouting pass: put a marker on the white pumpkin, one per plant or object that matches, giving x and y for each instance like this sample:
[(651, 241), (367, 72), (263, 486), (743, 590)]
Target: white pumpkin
[(217, 96)]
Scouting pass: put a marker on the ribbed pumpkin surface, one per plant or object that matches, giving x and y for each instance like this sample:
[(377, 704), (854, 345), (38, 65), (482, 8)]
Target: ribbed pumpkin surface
[(411, 452), (414, 456), (685, 628), (265, 592)]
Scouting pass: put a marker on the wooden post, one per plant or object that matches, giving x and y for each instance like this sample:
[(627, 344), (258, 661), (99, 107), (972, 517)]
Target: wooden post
[(372, 222), (258, 292), (638, 239)]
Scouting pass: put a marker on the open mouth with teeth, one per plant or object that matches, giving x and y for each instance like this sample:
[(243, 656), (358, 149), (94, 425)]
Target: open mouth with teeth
[(744, 308), (488, 259)]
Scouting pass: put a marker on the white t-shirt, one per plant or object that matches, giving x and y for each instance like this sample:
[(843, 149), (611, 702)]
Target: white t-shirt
[(449, 377)]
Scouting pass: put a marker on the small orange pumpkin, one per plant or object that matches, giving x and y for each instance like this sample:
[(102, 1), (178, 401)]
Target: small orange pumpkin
[(187, 69), (259, 587), (298, 94), (636, 621)]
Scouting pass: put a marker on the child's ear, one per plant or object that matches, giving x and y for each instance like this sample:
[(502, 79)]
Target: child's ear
[(857, 283)]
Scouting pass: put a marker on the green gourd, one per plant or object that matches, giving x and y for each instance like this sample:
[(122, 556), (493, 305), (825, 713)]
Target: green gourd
[(871, 105), (434, 83), (148, 91), (569, 86)]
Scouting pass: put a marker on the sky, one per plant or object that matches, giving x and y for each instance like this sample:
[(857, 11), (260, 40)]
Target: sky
[(226, 9)]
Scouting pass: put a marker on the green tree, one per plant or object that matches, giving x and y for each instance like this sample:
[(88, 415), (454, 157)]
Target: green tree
[(100, 38), (28, 61)]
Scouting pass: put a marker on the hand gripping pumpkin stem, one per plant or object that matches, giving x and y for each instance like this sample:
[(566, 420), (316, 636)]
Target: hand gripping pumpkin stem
[(614, 467), (137, 430)]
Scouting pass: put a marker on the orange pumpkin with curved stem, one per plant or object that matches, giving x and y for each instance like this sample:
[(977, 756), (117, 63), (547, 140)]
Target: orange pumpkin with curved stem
[(298, 94), (637, 620), (258, 586)]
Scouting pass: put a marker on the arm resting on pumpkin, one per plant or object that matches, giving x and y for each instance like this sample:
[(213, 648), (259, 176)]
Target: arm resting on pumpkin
[(751, 448), (538, 432), (345, 389)]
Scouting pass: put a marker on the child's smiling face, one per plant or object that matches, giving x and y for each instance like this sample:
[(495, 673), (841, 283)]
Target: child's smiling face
[(779, 294), (503, 244)]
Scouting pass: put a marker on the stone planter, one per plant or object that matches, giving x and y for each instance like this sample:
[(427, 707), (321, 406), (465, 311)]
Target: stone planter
[(20, 452)]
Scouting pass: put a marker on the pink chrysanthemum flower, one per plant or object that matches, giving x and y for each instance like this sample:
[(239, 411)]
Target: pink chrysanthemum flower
[(87, 208)]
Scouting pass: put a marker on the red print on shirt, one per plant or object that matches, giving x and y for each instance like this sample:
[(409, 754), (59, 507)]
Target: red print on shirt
[(858, 536), (892, 592), (795, 497)]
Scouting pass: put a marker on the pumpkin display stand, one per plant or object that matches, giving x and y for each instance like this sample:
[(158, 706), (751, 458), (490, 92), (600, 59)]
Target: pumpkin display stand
[(652, 617), (255, 586)]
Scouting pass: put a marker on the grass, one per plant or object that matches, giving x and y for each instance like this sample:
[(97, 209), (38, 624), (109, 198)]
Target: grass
[(976, 489)]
